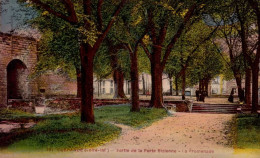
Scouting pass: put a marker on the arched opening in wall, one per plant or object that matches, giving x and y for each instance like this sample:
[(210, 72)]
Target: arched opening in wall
[(16, 79)]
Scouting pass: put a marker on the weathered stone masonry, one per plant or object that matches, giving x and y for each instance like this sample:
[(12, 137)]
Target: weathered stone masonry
[(20, 52)]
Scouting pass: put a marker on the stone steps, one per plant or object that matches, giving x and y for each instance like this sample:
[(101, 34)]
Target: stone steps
[(215, 108)]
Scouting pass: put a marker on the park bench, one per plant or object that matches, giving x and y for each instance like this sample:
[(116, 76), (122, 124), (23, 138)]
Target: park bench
[(258, 113)]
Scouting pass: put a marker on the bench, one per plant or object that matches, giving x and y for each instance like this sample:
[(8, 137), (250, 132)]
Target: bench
[(258, 113)]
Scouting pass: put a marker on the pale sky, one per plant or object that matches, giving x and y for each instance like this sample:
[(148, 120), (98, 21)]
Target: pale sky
[(12, 17)]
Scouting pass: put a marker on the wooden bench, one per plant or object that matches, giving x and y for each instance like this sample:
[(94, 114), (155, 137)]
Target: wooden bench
[(258, 113)]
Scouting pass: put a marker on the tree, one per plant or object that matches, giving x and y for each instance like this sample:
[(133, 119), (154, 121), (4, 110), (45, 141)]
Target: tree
[(205, 65), (254, 59), (118, 74), (131, 33), (173, 13), (231, 44), (81, 14), (58, 47), (172, 68), (189, 45)]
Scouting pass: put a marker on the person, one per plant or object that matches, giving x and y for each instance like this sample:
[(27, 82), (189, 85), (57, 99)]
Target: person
[(231, 96), (203, 95), (197, 94)]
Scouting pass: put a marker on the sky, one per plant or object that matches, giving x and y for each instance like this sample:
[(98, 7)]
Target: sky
[(12, 16)]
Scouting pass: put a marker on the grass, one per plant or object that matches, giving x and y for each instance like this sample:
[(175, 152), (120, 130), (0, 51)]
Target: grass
[(248, 132), (6, 114), (66, 132), (121, 114)]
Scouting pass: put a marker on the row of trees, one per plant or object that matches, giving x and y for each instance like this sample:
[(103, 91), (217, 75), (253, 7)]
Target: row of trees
[(176, 37)]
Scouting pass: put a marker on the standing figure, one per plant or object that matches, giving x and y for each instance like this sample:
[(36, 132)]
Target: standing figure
[(203, 95), (197, 94), (231, 96)]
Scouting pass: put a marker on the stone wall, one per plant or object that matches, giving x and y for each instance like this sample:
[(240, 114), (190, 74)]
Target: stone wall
[(24, 50), (55, 84)]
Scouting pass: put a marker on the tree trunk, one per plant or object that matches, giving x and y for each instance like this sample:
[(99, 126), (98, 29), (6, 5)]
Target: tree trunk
[(156, 71), (207, 87), (200, 85), (118, 75), (239, 86), (120, 85), (248, 87), (183, 85), (176, 85), (134, 83), (170, 77), (144, 91), (98, 87), (78, 73), (255, 71), (87, 106)]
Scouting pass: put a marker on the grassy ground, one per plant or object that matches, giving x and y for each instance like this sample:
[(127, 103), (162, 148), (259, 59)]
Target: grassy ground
[(66, 132), (121, 114), (6, 114), (248, 132)]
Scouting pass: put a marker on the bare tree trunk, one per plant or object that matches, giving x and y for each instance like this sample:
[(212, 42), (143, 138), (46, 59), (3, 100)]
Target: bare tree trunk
[(183, 84), (239, 86), (78, 73), (144, 90), (248, 87), (176, 85), (134, 83), (207, 87), (87, 105), (170, 81), (255, 71), (156, 71)]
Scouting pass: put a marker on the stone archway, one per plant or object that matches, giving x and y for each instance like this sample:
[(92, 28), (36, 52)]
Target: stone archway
[(16, 80)]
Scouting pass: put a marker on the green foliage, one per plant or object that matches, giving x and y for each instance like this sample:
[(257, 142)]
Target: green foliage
[(248, 128), (102, 68), (58, 47), (206, 64), (143, 62)]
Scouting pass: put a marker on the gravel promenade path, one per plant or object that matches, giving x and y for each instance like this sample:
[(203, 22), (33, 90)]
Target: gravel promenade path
[(182, 135)]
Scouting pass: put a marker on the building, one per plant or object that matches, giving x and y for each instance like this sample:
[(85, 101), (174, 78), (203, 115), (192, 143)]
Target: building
[(18, 58)]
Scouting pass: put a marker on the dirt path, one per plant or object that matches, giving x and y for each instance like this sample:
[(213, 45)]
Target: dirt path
[(183, 135)]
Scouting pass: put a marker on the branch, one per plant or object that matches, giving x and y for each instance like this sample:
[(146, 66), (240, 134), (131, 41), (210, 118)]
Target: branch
[(163, 31), (109, 26), (196, 48), (187, 17), (221, 54), (99, 15), (254, 5), (128, 46), (146, 50), (87, 7), (151, 26), (72, 18)]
